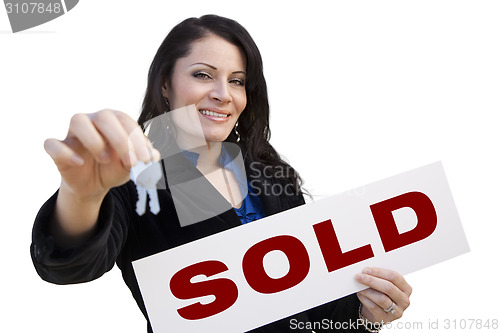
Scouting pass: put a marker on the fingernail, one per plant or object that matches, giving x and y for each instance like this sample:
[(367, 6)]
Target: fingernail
[(367, 270), (359, 277)]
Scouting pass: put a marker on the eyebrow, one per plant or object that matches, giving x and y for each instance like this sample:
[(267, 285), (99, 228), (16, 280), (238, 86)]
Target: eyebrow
[(215, 68)]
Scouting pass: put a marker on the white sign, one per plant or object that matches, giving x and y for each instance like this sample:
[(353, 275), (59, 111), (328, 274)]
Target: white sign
[(266, 270)]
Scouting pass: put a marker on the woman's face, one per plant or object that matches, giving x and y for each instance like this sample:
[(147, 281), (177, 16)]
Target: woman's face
[(212, 77)]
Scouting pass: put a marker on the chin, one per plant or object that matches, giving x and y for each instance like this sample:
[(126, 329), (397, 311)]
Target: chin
[(216, 136)]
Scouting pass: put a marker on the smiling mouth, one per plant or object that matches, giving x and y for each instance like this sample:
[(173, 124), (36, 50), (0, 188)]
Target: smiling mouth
[(213, 114)]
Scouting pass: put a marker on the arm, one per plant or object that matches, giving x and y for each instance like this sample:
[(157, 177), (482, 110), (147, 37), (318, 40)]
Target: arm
[(83, 225), (75, 260)]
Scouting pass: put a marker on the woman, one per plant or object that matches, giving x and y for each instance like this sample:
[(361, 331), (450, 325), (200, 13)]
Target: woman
[(209, 66)]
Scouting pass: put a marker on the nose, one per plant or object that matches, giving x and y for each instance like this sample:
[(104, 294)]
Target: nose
[(220, 92)]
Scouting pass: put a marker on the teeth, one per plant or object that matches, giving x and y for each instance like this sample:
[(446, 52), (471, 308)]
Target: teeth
[(213, 114)]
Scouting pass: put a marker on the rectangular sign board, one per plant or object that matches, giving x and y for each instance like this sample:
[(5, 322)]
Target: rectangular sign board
[(272, 268)]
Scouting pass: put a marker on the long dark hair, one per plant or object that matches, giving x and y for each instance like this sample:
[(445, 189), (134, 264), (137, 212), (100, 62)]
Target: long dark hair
[(253, 123)]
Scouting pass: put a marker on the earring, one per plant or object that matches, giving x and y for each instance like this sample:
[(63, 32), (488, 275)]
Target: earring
[(167, 103), (238, 136)]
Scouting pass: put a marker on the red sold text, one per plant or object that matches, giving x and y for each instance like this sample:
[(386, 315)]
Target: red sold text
[(226, 291)]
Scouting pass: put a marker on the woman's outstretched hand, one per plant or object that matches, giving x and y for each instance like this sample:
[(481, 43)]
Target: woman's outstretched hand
[(95, 156), (387, 297), (98, 151)]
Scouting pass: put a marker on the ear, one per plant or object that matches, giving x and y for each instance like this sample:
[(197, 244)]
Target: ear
[(165, 89)]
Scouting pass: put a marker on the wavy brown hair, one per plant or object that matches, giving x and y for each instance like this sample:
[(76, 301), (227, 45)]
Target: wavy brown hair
[(253, 123)]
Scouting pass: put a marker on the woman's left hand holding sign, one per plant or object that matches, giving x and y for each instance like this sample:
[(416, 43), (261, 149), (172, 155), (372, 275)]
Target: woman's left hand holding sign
[(387, 295)]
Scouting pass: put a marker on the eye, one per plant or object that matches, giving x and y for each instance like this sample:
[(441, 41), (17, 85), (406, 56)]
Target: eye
[(238, 82), (202, 75)]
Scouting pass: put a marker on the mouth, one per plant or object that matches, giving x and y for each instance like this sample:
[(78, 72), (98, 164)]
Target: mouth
[(214, 115)]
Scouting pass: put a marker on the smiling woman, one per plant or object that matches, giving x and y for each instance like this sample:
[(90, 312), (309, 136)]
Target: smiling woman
[(212, 77), (207, 75)]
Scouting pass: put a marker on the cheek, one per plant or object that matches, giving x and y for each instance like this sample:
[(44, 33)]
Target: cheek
[(242, 103), (186, 93), (183, 95)]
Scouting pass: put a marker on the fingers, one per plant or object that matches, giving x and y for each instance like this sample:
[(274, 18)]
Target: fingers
[(377, 298), (374, 313), (112, 133), (61, 153), (376, 303), (143, 147), (82, 128), (385, 287), (106, 133), (389, 275)]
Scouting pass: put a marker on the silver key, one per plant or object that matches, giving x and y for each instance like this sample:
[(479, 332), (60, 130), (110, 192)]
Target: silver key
[(145, 177), (140, 206)]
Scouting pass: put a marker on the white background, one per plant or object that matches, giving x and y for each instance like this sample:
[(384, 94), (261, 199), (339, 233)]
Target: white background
[(359, 91)]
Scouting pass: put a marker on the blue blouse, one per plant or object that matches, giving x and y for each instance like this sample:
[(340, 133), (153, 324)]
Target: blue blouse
[(251, 208)]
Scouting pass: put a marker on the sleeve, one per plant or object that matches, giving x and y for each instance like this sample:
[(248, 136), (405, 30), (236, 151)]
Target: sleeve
[(87, 260)]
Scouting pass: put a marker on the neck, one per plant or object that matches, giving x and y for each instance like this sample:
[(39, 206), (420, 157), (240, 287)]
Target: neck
[(209, 158)]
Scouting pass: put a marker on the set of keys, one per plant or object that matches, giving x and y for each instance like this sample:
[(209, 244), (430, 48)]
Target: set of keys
[(146, 177)]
